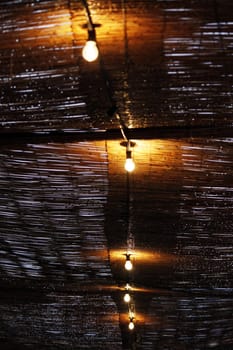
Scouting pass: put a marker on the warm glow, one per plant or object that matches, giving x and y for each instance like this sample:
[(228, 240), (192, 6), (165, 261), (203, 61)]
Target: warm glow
[(127, 298), (146, 256), (90, 51), (129, 165), (166, 154)]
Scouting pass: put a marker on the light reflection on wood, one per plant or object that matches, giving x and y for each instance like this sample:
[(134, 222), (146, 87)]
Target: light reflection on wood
[(143, 257)]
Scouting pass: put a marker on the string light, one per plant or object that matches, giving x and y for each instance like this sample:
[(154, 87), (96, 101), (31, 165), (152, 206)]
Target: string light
[(128, 263), (131, 323), (129, 162), (90, 50), (90, 53), (127, 296)]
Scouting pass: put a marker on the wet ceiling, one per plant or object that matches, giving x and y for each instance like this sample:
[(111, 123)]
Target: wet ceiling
[(69, 211)]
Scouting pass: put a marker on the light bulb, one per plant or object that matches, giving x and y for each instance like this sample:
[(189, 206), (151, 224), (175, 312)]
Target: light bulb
[(131, 325), (129, 164), (127, 298), (128, 264), (90, 51)]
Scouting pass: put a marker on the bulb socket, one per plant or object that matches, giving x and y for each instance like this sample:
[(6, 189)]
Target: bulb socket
[(128, 154), (91, 35)]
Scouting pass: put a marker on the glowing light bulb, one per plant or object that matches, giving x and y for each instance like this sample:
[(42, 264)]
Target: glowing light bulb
[(129, 164), (127, 298), (128, 263), (131, 325), (90, 51)]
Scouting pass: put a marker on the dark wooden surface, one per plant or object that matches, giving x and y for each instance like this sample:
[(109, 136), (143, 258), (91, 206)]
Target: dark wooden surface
[(66, 204)]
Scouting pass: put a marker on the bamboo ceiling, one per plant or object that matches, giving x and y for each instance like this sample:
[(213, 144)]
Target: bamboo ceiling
[(68, 210)]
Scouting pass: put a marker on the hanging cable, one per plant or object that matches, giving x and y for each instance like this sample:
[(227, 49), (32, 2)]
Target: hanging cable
[(90, 50)]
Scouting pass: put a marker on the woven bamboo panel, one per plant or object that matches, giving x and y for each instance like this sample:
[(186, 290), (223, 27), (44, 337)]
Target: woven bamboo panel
[(68, 210), (170, 65)]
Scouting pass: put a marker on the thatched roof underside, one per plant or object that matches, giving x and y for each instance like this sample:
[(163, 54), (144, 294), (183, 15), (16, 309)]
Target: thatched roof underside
[(69, 211)]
